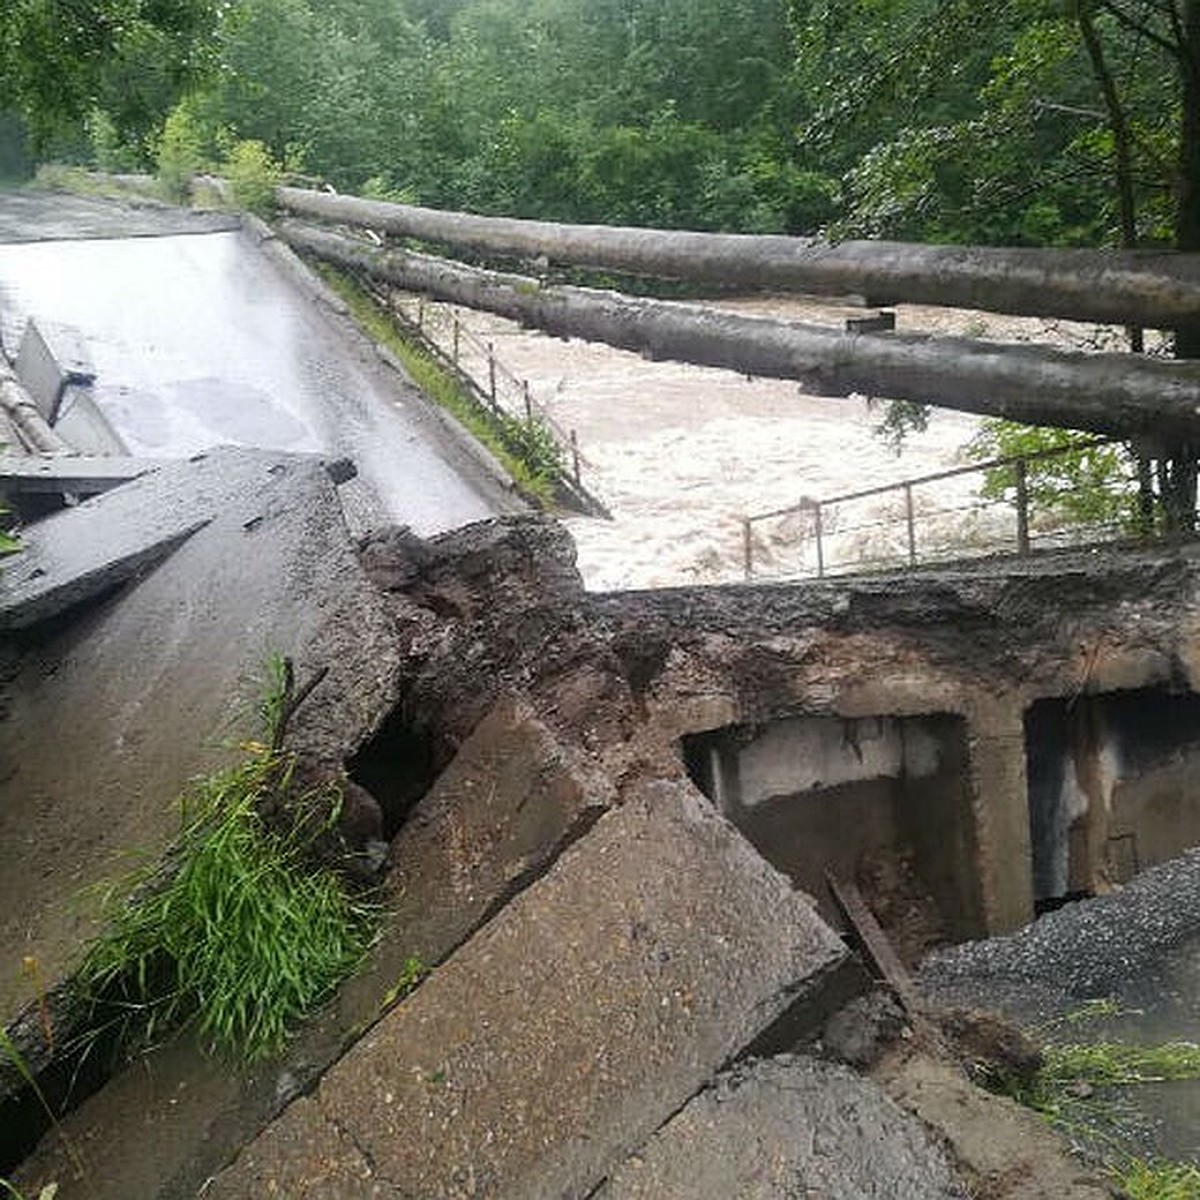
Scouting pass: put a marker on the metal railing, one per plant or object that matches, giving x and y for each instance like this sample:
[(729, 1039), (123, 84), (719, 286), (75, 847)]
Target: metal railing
[(493, 385), (939, 517)]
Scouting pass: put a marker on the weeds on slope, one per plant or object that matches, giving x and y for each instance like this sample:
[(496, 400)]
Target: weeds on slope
[(1073, 1091), (525, 448), (243, 936)]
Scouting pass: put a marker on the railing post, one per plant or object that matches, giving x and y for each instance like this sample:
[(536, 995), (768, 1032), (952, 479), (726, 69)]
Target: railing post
[(912, 527), (491, 359), (818, 526), (575, 458), (1022, 507), (747, 550), (528, 402), (456, 342), (420, 314)]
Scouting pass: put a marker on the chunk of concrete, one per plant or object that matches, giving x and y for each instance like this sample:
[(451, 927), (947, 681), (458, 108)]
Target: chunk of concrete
[(80, 554), (494, 821), (150, 688), (48, 360), (1008, 1151), (76, 556), (571, 1026), (24, 474), (783, 1128), (501, 812), (81, 424)]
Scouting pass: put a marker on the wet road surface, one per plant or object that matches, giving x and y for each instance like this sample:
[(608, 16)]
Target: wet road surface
[(198, 340)]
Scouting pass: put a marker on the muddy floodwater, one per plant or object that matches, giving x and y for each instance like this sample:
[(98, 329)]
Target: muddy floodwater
[(680, 454)]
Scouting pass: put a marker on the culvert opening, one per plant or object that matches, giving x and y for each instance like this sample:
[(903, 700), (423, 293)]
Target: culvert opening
[(883, 800), (1112, 780), (397, 766)]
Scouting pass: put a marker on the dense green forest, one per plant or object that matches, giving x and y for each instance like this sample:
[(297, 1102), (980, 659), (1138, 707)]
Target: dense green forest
[(1002, 121)]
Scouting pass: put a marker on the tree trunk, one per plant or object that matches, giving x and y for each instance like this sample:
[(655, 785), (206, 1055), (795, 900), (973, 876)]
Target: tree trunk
[(1117, 394), (1157, 289), (1180, 502), (1118, 122)]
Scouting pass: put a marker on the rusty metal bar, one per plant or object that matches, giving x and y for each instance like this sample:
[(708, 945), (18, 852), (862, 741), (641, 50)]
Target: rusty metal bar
[(818, 526), (575, 457), (747, 550)]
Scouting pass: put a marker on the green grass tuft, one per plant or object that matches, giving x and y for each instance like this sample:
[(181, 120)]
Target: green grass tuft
[(1142, 1180), (1077, 1090), (245, 936), (525, 449), (1114, 1064)]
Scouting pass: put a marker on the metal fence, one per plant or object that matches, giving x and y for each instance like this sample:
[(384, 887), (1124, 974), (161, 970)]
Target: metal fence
[(934, 518), (475, 361)]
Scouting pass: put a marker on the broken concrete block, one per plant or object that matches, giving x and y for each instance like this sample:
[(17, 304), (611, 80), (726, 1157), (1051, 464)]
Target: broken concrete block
[(48, 360), (783, 1128), (501, 811), (81, 424), (77, 555), (496, 818), (148, 688), (573, 1024)]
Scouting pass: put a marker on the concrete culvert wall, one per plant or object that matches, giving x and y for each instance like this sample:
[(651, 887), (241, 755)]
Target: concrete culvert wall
[(883, 799), (1112, 779)]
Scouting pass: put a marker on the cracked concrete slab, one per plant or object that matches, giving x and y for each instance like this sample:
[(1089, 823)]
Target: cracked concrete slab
[(573, 1024), (785, 1128), (109, 715), (501, 811)]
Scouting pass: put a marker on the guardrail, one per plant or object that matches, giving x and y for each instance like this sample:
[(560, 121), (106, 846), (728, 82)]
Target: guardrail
[(917, 521), (495, 387)]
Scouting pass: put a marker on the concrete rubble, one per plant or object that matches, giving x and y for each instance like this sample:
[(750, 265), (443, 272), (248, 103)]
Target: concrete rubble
[(608, 949), (788, 1127), (601, 999)]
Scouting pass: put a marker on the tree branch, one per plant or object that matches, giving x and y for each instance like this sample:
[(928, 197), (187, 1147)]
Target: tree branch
[(1175, 49)]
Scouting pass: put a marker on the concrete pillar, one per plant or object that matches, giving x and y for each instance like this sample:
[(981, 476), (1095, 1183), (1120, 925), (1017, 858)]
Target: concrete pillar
[(999, 793)]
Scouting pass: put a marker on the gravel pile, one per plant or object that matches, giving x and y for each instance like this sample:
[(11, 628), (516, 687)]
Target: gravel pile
[(1088, 949)]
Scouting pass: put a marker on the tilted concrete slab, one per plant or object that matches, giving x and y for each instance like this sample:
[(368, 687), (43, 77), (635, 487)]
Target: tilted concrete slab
[(77, 555), (500, 812), (78, 474), (496, 818), (81, 424), (783, 1128), (50, 358), (568, 1029), (109, 716)]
